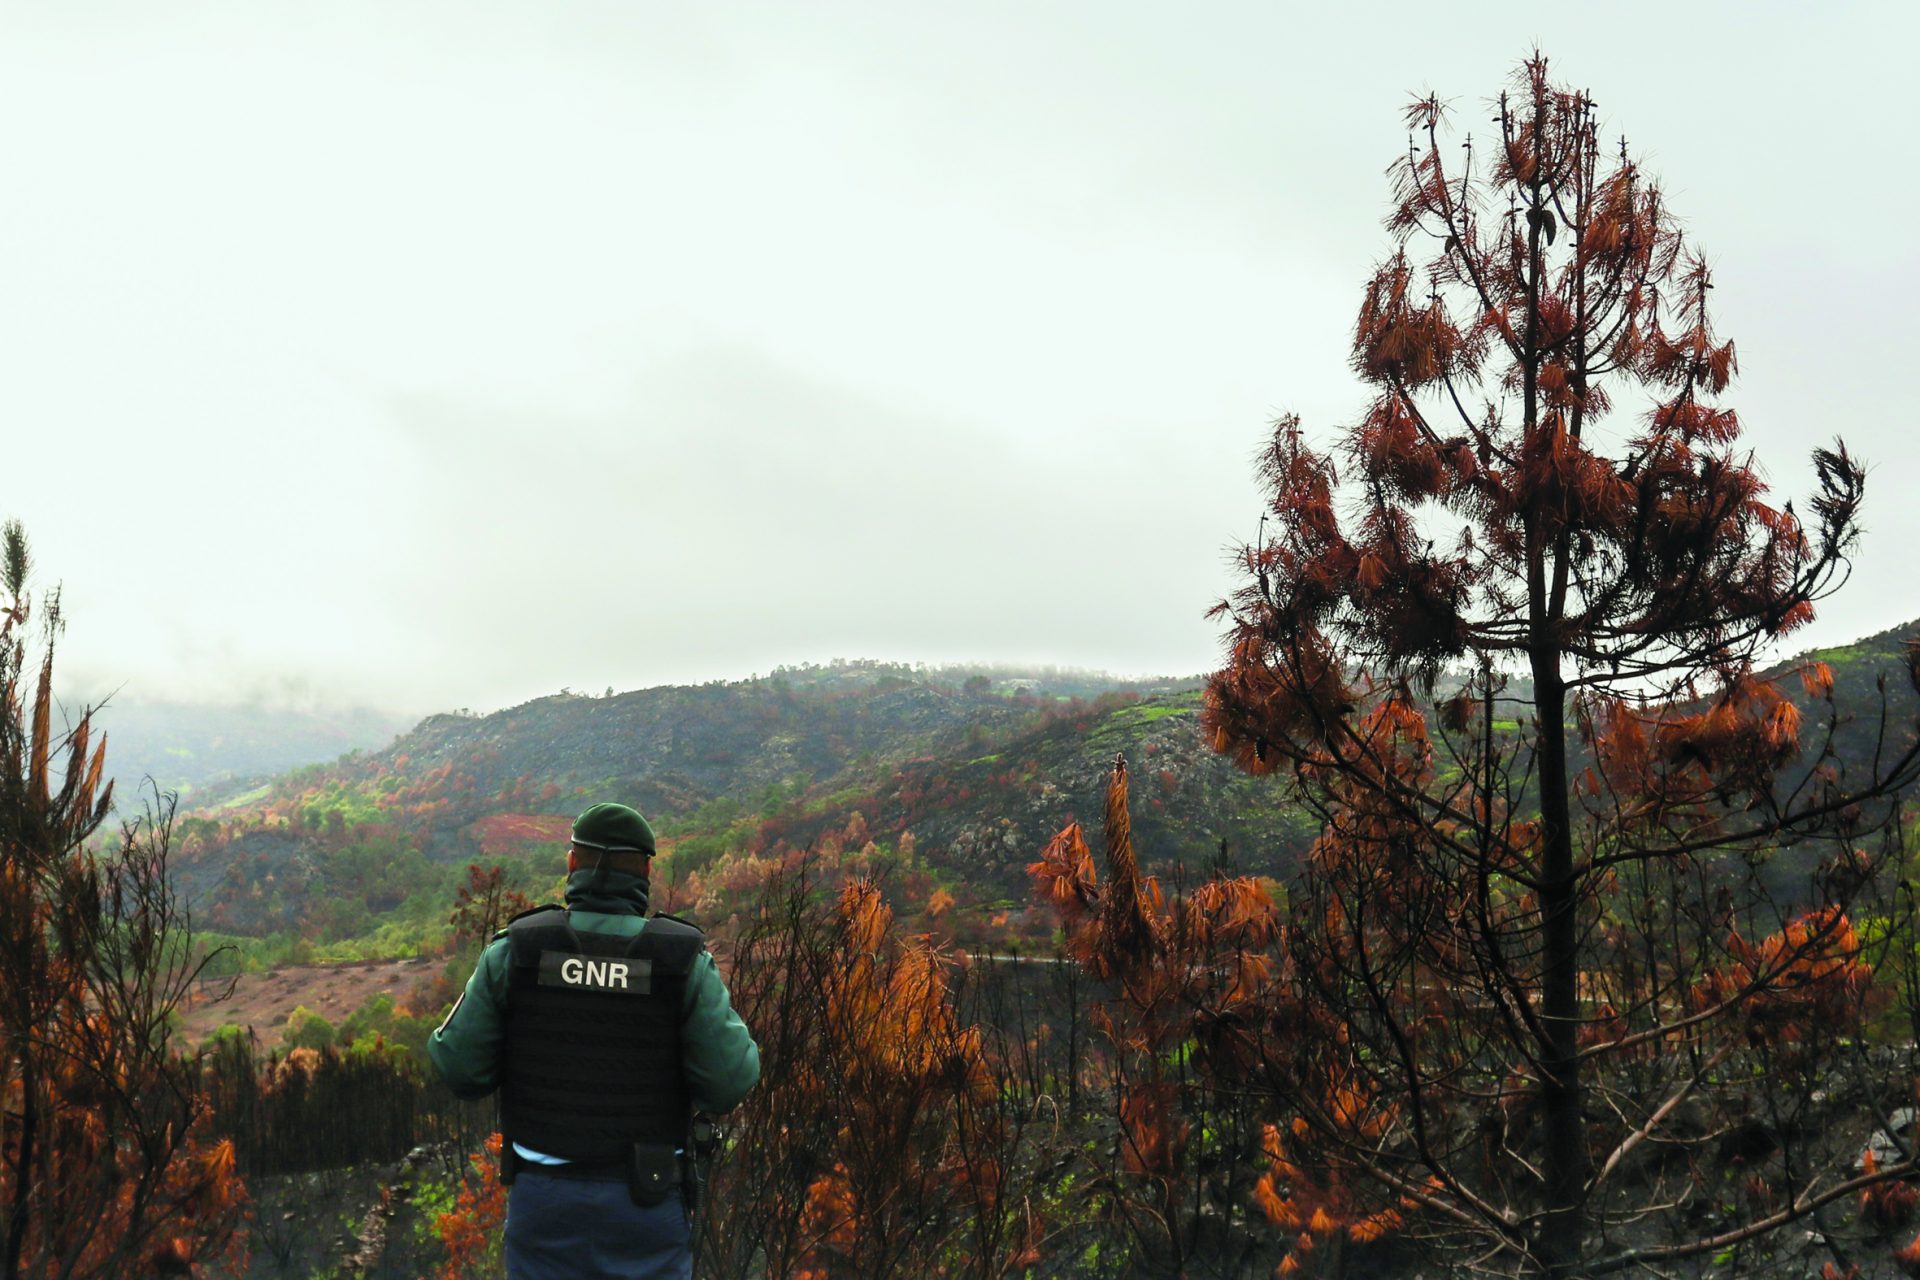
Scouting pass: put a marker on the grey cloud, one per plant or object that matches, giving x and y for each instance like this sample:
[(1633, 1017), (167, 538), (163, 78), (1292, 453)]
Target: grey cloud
[(737, 514)]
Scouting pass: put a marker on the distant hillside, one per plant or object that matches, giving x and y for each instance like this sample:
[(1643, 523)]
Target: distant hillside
[(190, 747), (945, 782), (1872, 716), (967, 770)]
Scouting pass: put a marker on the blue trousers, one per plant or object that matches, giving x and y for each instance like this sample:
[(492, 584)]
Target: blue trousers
[(560, 1229)]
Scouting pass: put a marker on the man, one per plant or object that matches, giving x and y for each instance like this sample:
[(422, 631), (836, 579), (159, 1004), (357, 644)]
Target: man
[(604, 1030)]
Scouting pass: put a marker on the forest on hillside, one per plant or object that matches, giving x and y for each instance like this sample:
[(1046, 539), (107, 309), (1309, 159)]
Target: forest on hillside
[(1502, 905)]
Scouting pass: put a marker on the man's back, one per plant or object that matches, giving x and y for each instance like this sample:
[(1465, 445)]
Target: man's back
[(604, 1029)]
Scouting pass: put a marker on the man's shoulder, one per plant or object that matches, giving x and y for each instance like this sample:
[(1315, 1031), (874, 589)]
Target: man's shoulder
[(674, 925), (679, 943), (529, 914)]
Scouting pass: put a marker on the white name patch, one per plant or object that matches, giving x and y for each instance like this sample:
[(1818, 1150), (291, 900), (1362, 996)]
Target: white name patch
[(625, 976)]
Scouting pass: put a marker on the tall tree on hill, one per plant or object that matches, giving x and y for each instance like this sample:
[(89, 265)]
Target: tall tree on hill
[(484, 904), (1546, 913), (102, 1171)]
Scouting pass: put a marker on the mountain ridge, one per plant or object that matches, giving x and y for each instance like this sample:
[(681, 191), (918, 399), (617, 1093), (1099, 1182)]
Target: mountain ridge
[(947, 780)]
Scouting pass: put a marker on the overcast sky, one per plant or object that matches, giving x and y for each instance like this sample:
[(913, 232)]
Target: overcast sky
[(438, 355)]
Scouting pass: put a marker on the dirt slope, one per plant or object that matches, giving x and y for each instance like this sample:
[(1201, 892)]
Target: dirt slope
[(262, 1001)]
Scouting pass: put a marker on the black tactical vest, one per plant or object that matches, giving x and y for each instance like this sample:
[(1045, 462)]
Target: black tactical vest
[(593, 1037)]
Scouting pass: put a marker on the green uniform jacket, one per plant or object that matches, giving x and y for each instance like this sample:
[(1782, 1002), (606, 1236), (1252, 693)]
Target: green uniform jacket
[(722, 1061)]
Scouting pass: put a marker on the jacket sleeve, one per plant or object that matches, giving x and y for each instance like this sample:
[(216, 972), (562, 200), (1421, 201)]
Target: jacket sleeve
[(466, 1047), (722, 1061)]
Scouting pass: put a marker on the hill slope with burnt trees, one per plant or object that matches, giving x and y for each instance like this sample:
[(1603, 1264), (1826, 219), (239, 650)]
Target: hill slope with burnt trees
[(946, 784), (953, 780)]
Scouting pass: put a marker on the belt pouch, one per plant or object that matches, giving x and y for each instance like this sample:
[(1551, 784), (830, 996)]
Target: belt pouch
[(653, 1173)]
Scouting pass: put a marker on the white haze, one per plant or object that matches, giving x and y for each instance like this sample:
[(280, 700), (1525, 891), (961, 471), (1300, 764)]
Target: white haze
[(449, 353)]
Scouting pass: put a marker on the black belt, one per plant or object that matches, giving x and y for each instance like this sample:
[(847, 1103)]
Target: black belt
[(576, 1172)]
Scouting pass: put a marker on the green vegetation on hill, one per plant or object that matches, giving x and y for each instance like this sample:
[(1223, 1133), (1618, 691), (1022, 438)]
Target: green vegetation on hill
[(956, 776), (948, 782)]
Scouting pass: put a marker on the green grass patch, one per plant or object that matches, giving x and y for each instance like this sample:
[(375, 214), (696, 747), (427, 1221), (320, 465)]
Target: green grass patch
[(835, 800), (1147, 713), (244, 798)]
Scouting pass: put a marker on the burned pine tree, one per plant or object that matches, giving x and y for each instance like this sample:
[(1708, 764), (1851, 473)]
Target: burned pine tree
[(106, 1169), (1584, 919)]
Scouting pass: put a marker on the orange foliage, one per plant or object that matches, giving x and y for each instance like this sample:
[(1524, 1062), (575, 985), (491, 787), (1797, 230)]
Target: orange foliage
[(1123, 929), (1908, 1258), (471, 1230), (832, 1221), (1206, 972), (1809, 975), (1743, 735), (503, 834), (915, 1088), (1315, 1206), (106, 1167), (187, 1214), (901, 1022), (1817, 679), (1886, 1205), (1151, 1142), (1065, 879), (187, 1207)]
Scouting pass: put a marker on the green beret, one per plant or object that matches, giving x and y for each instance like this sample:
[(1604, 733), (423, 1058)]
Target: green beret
[(613, 828)]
